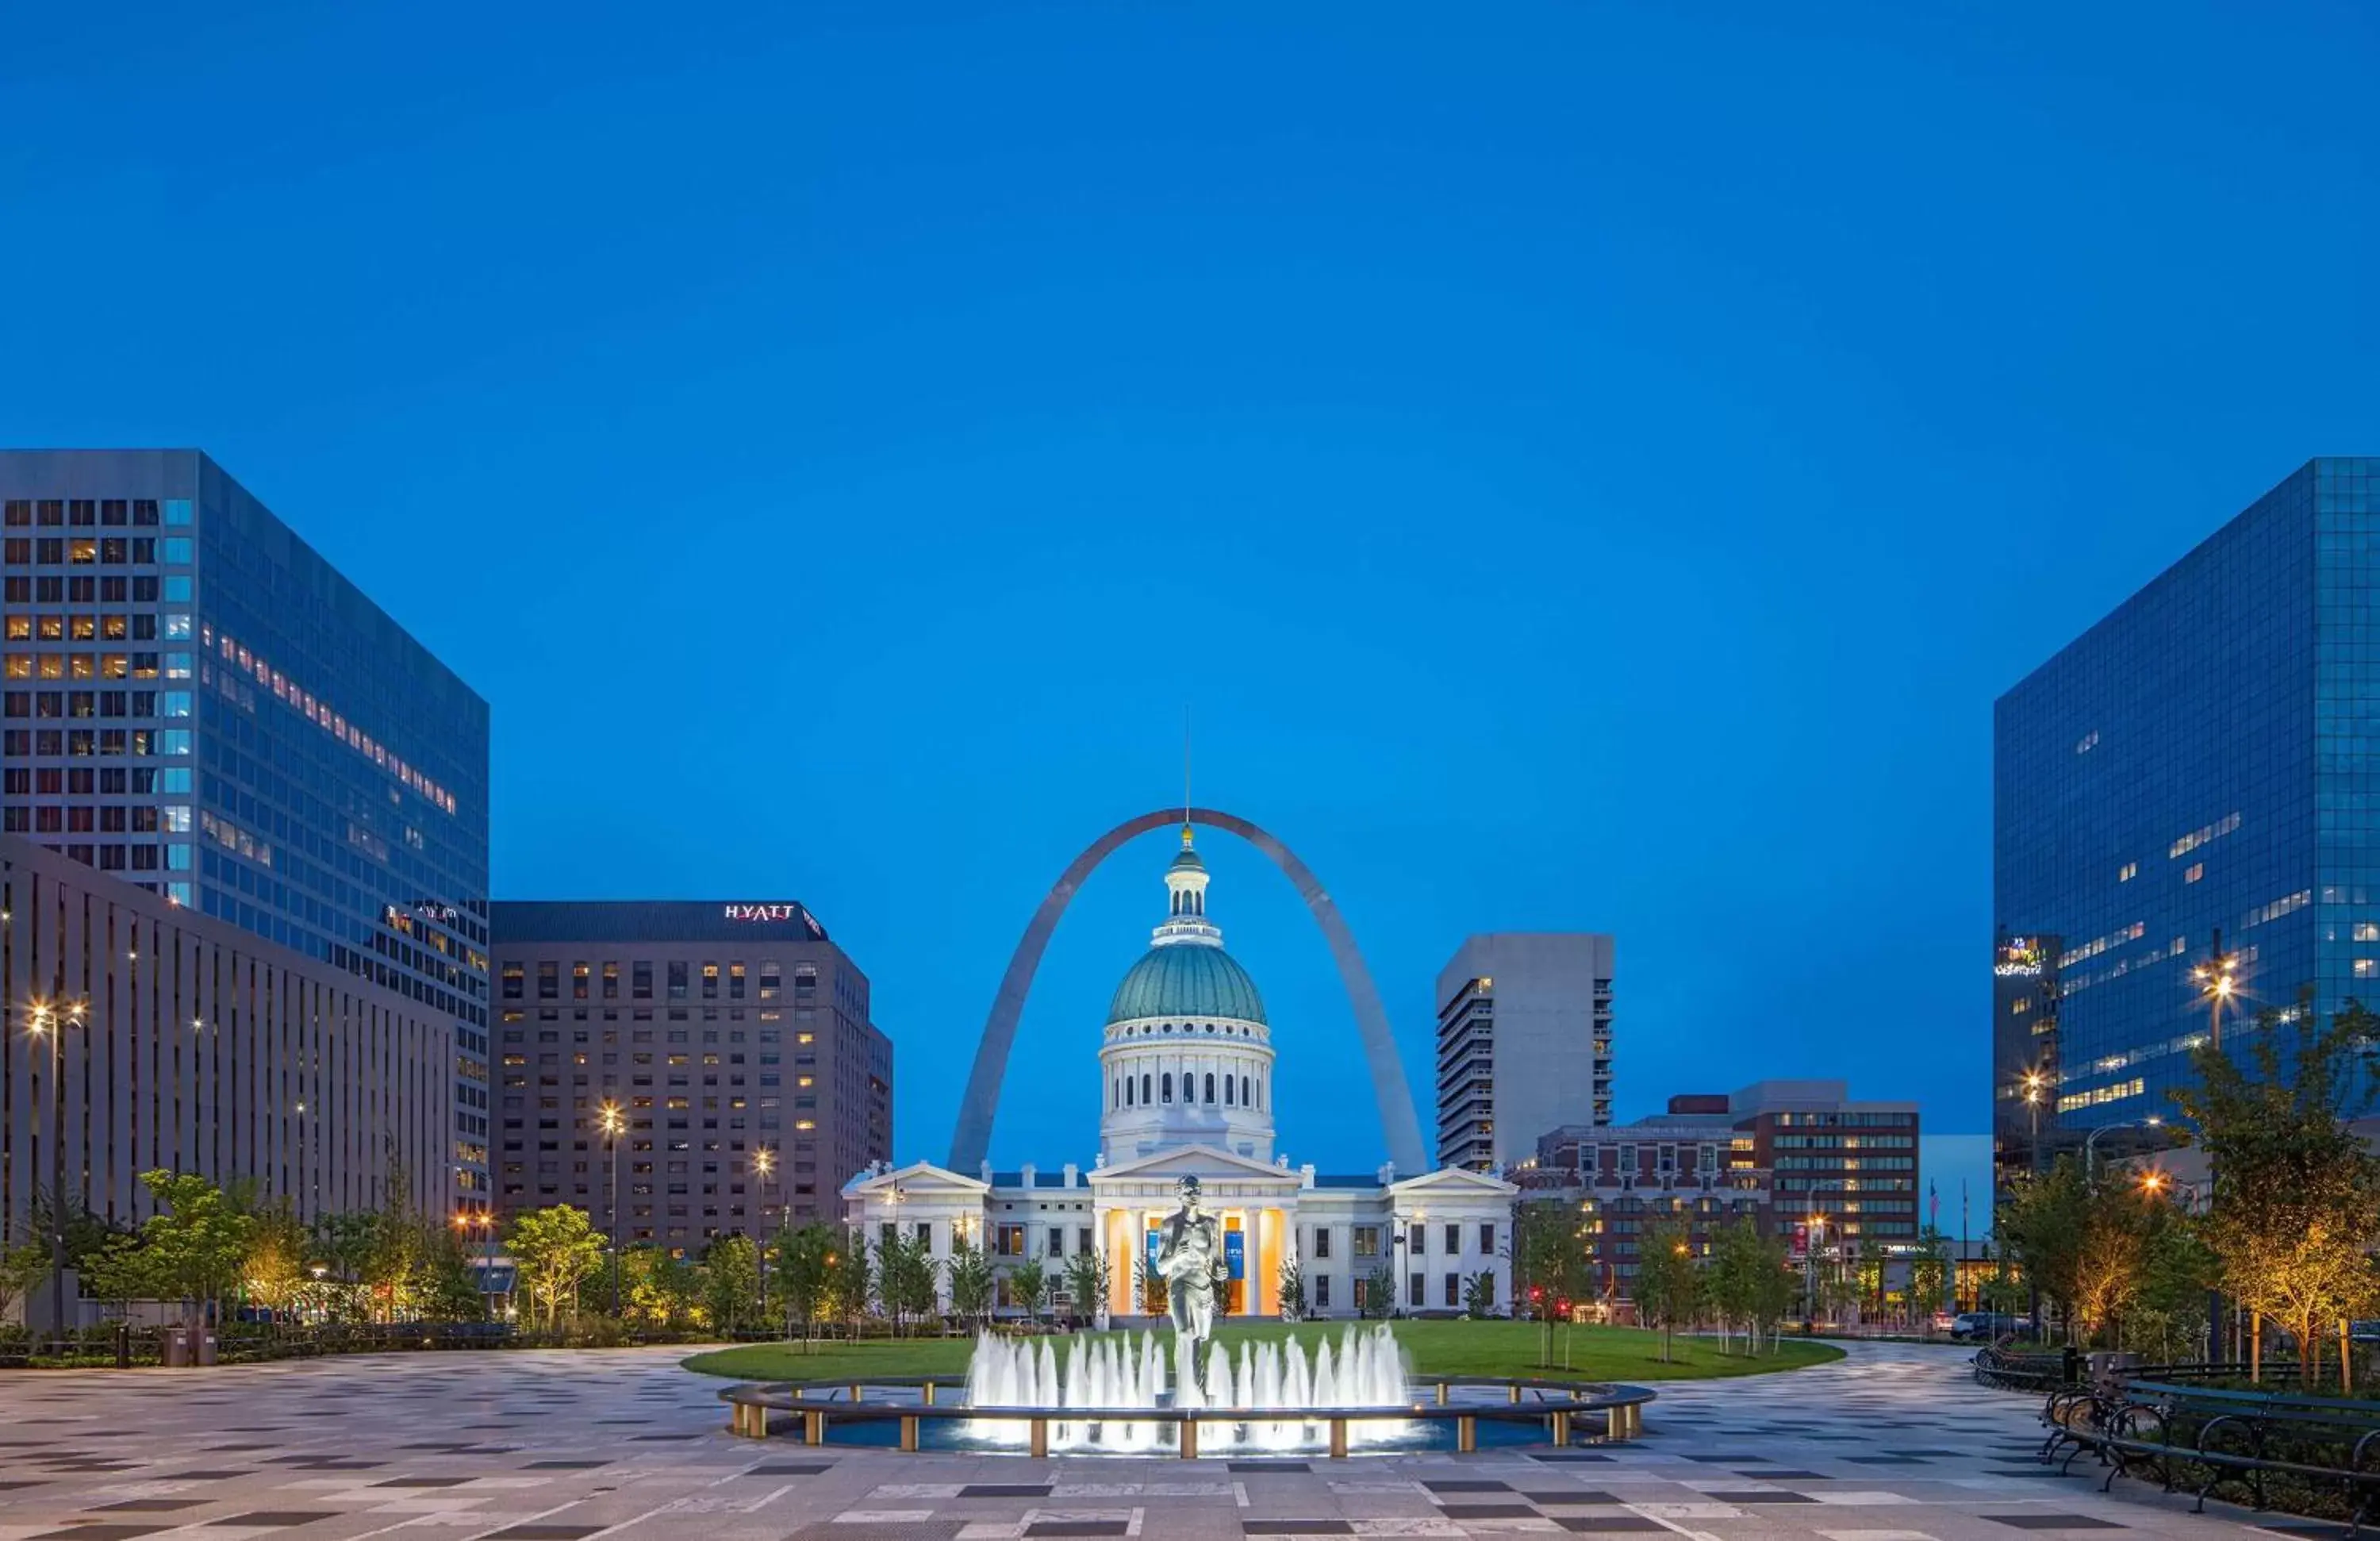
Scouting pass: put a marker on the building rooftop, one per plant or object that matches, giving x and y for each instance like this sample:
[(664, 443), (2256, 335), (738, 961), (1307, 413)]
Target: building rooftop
[(520, 920)]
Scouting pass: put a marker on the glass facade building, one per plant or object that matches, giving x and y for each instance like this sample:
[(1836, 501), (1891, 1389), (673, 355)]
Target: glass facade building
[(2200, 761), (199, 704)]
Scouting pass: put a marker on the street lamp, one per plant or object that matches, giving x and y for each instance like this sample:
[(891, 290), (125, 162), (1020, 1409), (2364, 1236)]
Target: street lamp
[(2036, 1088), (1817, 1234), (2217, 980), (609, 1118), (764, 1163), (2091, 1140), (45, 1023)]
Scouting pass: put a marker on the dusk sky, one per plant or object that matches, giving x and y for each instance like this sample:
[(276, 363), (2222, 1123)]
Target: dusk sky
[(1584, 467)]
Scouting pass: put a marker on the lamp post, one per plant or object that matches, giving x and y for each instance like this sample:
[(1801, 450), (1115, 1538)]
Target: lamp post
[(2217, 981), (2091, 1141), (764, 1163), (46, 1023), (612, 1122), (1816, 1233), (2036, 1088)]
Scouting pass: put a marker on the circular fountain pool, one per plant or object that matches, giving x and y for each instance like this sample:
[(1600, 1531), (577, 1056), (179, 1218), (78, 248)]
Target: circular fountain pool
[(1121, 1394)]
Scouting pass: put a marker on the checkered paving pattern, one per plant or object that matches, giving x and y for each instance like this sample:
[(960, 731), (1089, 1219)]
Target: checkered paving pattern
[(1894, 1444)]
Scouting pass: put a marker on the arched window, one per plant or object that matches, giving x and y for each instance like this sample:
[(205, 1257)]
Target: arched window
[(1210, 1085), (1228, 1089), (1144, 1088), (1165, 1087), (1244, 1093)]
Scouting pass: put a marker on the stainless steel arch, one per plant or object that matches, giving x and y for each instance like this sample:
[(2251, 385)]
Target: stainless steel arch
[(1398, 1125)]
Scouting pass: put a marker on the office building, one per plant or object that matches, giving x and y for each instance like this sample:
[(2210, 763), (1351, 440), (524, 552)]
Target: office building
[(198, 704), (2197, 762), (730, 1037), (1524, 1043), (1799, 1159), (188, 1042)]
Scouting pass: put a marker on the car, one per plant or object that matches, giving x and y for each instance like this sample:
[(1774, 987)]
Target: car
[(1985, 1326)]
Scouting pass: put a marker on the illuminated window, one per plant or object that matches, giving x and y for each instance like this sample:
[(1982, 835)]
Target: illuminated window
[(2127, 871), (2367, 969), (2367, 931), (2196, 870)]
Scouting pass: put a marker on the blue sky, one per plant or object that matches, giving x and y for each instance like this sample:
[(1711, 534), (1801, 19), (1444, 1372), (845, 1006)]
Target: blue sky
[(1585, 466)]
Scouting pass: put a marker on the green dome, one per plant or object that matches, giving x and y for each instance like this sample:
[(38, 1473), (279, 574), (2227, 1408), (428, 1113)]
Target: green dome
[(1186, 979)]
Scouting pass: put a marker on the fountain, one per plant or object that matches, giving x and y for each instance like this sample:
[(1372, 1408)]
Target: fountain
[(1100, 1380)]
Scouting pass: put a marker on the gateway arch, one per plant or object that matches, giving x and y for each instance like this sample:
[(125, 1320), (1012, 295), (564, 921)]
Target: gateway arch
[(1397, 1125)]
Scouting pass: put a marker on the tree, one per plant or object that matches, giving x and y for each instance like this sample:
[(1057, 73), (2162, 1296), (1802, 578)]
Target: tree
[(1291, 1285), (555, 1249), (1669, 1282), (1929, 1275), (1028, 1286), (806, 1274), (395, 1249), (658, 1289), (2169, 1308), (1747, 1283), (1548, 1254), (905, 1279), (732, 1285), (274, 1269), (849, 1279), (2110, 1264), (1479, 1295), (967, 1272), (2297, 1195), (445, 1287), (1088, 1281), (193, 1248), (22, 1266), (1149, 1284), (2042, 1225), (1379, 1293)]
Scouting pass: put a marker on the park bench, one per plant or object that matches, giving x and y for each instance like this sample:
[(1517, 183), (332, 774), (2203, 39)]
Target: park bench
[(2166, 1424)]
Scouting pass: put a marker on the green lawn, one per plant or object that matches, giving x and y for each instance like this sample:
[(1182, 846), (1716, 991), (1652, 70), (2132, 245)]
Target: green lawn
[(1438, 1348)]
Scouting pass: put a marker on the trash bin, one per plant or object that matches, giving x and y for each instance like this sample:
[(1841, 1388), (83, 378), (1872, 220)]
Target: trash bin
[(206, 1354), (177, 1348)]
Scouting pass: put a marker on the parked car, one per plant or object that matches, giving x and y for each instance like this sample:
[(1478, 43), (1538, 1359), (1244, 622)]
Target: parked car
[(1985, 1326)]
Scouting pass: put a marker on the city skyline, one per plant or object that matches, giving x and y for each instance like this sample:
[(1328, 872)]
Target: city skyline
[(1559, 515)]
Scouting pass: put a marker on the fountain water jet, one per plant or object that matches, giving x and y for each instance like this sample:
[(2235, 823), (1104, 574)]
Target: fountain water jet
[(1093, 1386)]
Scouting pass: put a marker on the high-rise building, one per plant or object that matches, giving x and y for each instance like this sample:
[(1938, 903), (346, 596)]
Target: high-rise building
[(733, 1042), (1799, 1159), (187, 1042), (1524, 1043), (2196, 762), (198, 704)]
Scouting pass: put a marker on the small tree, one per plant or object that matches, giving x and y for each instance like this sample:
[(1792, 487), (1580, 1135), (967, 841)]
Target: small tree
[(1088, 1281), (2297, 1195), (732, 1284), (274, 1269), (967, 1273), (1929, 1275), (22, 1266), (1028, 1286), (905, 1279), (554, 1250), (2042, 1225), (1479, 1295), (1668, 1282), (850, 1277), (1292, 1286), (1155, 1297), (193, 1248), (804, 1275), (1381, 1292)]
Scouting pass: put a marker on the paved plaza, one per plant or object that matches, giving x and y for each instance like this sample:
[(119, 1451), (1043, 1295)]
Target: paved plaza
[(1894, 1444)]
